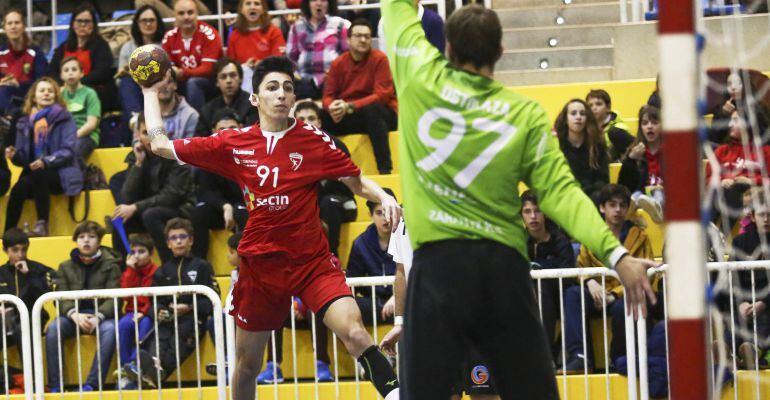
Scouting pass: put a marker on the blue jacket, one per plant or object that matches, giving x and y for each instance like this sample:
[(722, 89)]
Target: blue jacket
[(59, 151), (368, 259)]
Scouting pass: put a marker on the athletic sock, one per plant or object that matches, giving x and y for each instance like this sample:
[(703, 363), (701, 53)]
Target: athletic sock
[(378, 370)]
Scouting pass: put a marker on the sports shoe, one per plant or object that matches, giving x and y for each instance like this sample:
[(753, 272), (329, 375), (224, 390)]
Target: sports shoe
[(87, 388), (211, 368), (576, 365), (40, 229), (323, 373), (150, 369), (651, 207), (266, 376)]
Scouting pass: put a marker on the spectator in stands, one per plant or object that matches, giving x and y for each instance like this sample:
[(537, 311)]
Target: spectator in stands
[(21, 62), (90, 266), (359, 96), (23, 278), (219, 202), (46, 140), (739, 169), (137, 321), (146, 28), (193, 46), (614, 201), (548, 248), (642, 169), (316, 40), (5, 172), (616, 135), (176, 320), (432, 24), (84, 105), (180, 118), (369, 257), (155, 190), (335, 200), (165, 7), (254, 36), (85, 43), (581, 142), (235, 261), (722, 113), (229, 79)]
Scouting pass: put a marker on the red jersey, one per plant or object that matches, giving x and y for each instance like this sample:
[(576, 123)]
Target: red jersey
[(278, 173), (734, 162), (21, 64), (196, 55), (256, 44)]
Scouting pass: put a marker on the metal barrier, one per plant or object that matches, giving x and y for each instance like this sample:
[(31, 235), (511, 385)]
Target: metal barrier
[(115, 295), (24, 334)]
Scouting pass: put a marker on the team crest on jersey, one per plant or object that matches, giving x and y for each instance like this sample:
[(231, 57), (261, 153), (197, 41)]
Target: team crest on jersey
[(296, 161), (27, 68), (479, 375), (192, 275)]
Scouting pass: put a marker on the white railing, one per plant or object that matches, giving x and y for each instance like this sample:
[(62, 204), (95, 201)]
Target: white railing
[(115, 295), (24, 334)]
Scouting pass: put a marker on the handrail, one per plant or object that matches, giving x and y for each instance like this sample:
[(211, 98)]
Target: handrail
[(25, 337)]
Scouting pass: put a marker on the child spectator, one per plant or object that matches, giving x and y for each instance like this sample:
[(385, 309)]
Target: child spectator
[(235, 261), (137, 321), (229, 76), (614, 201), (21, 62), (254, 36), (23, 278), (581, 142), (183, 269), (616, 135), (84, 105), (46, 139), (735, 98), (642, 169), (90, 266)]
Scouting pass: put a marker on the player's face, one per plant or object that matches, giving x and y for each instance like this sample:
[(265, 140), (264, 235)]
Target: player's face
[(533, 217), (319, 8), (83, 24), (252, 10), (308, 116), (614, 211), (576, 117), (88, 243), (736, 126), (233, 258), (186, 15), (142, 255), (228, 80), (13, 25), (734, 86), (148, 23), (383, 226), (650, 129), (179, 242), (17, 253), (226, 124), (275, 96), (360, 39), (45, 94), (71, 74), (599, 108)]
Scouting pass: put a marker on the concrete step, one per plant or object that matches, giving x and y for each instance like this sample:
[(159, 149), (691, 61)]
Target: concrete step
[(552, 76), (497, 4), (570, 57), (573, 14), (567, 36)]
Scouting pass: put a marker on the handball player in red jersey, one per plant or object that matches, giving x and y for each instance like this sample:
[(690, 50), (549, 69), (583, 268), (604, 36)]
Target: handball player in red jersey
[(278, 164)]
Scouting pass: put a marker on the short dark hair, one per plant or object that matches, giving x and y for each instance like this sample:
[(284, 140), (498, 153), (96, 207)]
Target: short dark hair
[(528, 196), (136, 33), (142, 240), (480, 26), (88, 227), (179, 223), (614, 191), (304, 7), (370, 204), (71, 58), (14, 236), (600, 94), (359, 22), (271, 64), (225, 61), (307, 105), (225, 114), (234, 241)]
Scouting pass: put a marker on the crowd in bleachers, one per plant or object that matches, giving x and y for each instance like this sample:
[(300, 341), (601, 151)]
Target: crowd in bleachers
[(52, 121)]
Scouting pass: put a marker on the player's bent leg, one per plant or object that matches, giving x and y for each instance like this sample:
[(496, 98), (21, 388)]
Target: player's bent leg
[(344, 319), (249, 350)]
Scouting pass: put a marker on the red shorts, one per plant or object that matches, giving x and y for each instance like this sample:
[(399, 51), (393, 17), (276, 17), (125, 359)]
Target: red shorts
[(266, 283)]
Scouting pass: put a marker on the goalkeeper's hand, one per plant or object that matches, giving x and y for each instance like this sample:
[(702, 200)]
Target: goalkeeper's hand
[(633, 275)]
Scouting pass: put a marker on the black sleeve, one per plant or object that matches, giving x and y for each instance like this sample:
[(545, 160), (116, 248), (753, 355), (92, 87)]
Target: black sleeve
[(5, 176), (210, 188), (174, 191), (620, 140), (55, 65), (566, 254), (159, 279), (133, 187), (206, 272), (101, 63), (203, 128), (600, 177)]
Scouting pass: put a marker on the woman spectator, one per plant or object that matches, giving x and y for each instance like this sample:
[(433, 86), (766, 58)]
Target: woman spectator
[(21, 63), (146, 28), (642, 165), (254, 36), (46, 138), (85, 43), (314, 42), (582, 144)]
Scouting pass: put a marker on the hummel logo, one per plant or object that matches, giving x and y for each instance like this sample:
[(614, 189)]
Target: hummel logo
[(242, 319), (244, 152)]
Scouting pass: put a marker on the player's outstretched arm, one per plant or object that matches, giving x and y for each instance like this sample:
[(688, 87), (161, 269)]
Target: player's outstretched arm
[(390, 340), (160, 144), (368, 189), (633, 275)]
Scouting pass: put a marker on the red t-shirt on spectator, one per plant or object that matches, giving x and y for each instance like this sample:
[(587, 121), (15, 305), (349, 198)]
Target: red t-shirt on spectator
[(256, 43), (363, 83), (734, 162), (83, 55), (138, 277), (196, 55)]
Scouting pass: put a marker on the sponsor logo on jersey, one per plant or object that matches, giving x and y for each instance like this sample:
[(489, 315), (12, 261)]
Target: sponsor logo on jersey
[(275, 202), (296, 161), (237, 161), (186, 142), (192, 275), (479, 375), (243, 152)]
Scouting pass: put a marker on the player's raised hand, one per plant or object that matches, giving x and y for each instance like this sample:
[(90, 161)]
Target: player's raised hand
[(392, 211), (633, 275)]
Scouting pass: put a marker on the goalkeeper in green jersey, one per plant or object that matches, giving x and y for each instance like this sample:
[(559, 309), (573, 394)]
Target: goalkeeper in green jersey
[(466, 143)]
